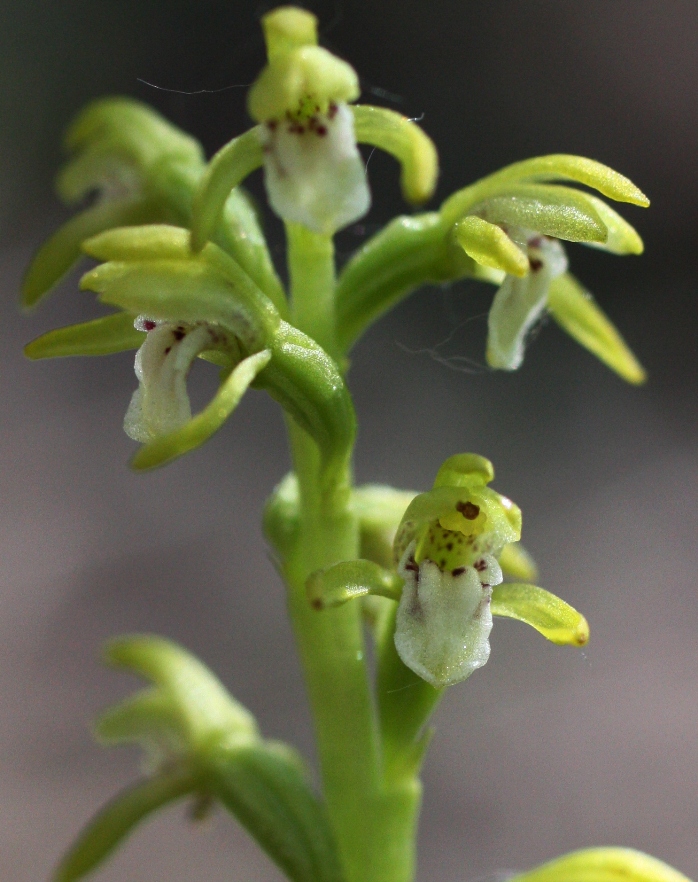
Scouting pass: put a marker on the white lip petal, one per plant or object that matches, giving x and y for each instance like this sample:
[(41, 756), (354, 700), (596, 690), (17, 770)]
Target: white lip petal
[(161, 403), (520, 302), (313, 171), (443, 622)]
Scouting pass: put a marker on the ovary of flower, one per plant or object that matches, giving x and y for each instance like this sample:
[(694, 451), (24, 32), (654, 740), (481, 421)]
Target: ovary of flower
[(444, 618), (313, 171), (519, 302), (161, 404)]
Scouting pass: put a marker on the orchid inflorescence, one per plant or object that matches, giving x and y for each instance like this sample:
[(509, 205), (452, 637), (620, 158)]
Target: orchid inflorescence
[(183, 261)]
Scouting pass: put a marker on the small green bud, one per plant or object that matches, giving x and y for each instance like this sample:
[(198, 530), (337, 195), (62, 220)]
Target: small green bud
[(133, 160), (603, 865)]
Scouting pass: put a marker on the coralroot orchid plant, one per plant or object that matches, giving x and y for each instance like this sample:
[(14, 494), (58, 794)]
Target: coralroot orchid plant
[(185, 265)]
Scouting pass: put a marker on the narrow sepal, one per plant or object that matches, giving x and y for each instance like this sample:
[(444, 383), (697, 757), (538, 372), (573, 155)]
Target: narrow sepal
[(556, 211), (622, 238), (179, 286), (59, 254), (517, 563), (229, 167), (266, 788), (566, 167), (351, 579), (575, 310), (200, 428), (490, 246), (208, 713), (102, 336), (556, 620), (117, 819), (607, 864), (407, 142), (128, 125)]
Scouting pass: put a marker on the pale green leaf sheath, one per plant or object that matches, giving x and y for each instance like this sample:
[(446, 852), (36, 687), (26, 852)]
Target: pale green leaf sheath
[(203, 744)]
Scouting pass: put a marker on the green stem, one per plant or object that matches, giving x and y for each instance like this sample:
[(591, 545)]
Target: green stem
[(374, 823), (312, 274)]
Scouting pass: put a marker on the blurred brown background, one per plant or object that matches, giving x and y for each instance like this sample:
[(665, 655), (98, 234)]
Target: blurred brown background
[(545, 749)]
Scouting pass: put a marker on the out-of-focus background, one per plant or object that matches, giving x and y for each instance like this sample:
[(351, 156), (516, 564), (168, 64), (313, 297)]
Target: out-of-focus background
[(545, 749)]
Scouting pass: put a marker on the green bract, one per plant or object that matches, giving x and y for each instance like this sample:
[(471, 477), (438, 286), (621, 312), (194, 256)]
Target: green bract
[(202, 743)]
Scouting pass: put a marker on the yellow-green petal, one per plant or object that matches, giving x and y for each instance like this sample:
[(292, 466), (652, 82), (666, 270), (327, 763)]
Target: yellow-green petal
[(151, 242), (603, 865), (209, 420), (566, 167), (556, 620), (490, 246), (622, 238), (517, 563), (552, 210), (59, 254), (229, 167), (102, 336), (575, 310), (407, 142), (351, 579)]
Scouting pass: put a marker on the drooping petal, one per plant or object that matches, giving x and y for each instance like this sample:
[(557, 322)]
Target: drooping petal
[(102, 336), (552, 617), (59, 254), (519, 303), (118, 818), (575, 310), (405, 140), (198, 429)]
